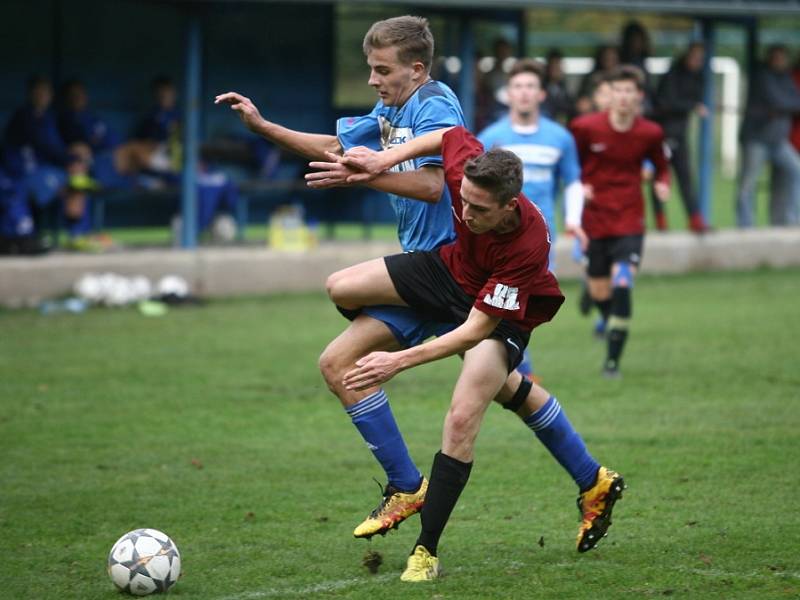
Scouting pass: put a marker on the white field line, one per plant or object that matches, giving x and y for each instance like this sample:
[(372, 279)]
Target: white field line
[(315, 588), (325, 587)]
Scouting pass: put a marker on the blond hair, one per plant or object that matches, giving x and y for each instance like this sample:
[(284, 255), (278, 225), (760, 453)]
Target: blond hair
[(410, 35)]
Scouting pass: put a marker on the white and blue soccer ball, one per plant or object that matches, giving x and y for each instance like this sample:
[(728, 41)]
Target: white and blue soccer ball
[(144, 561)]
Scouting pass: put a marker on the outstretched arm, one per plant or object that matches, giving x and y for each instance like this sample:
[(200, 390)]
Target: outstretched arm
[(364, 166), (424, 184), (374, 163), (378, 367), (309, 145)]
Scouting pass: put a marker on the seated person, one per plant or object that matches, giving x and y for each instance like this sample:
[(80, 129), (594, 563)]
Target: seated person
[(35, 152), (16, 222), (77, 123), (161, 128)]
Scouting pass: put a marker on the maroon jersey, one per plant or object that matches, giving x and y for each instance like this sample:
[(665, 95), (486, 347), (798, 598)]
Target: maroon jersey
[(506, 273), (611, 162)]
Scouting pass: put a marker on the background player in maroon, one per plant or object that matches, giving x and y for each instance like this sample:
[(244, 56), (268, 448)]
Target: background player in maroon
[(612, 146), (495, 283)]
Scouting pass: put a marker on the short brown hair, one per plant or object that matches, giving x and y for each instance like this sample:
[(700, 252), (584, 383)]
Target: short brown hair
[(497, 171), (627, 73), (528, 65), (410, 35)]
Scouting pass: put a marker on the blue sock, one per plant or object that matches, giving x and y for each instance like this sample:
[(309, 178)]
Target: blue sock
[(373, 418), (554, 430)]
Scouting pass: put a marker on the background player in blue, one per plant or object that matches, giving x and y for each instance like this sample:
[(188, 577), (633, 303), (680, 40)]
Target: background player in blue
[(399, 52), (547, 151)]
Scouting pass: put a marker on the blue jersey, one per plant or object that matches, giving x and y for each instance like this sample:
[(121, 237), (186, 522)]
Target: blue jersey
[(420, 225), (159, 125), (85, 126), (548, 155)]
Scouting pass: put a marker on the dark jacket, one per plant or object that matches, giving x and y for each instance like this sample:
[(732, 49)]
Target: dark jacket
[(771, 103), (679, 91), (33, 139)]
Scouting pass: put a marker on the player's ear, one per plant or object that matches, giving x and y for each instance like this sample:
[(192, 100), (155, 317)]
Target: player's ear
[(512, 204), (419, 70)]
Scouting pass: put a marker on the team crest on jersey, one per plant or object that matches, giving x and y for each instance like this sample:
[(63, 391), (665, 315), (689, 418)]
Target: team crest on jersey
[(598, 147), (504, 296)]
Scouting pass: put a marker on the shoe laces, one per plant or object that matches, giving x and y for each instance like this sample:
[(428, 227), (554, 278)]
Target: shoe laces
[(387, 492), (422, 561)]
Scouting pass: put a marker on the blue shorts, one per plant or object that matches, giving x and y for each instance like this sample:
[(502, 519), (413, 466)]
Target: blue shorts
[(408, 327)]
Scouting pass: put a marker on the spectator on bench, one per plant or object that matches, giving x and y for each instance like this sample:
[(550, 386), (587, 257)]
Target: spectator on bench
[(51, 170)]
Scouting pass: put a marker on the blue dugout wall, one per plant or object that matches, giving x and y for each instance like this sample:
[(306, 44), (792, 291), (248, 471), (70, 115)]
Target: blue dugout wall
[(279, 54)]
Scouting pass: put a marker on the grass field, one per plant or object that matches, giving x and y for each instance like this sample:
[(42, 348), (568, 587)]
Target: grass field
[(213, 425)]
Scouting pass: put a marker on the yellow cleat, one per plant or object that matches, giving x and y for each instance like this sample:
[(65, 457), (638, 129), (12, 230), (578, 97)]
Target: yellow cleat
[(595, 505), (395, 508), (421, 566)]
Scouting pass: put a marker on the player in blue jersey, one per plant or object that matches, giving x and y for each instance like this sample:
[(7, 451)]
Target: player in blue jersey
[(547, 149), (548, 155), (399, 52)]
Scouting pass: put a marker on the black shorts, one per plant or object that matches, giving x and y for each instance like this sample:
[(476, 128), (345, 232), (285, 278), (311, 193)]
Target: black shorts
[(425, 284), (604, 252)]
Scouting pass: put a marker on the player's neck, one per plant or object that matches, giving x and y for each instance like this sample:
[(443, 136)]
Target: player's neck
[(509, 223), (525, 120), (621, 122), (413, 91)]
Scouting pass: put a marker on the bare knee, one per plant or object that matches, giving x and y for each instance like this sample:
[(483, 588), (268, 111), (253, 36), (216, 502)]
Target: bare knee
[(333, 285), (331, 367), (460, 429)]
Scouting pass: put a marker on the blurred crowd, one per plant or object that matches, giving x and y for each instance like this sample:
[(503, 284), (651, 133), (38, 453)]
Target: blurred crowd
[(57, 153)]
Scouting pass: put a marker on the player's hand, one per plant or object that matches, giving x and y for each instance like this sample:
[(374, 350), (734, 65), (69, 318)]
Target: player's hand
[(333, 173), (374, 369), (579, 234), (588, 192), (662, 190), (248, 112), (701, 110), (365, 159)]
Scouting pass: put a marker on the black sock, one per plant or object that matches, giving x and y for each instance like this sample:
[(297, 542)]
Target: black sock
[(604, 306), (448, 478), (616, 342), (618, 324)]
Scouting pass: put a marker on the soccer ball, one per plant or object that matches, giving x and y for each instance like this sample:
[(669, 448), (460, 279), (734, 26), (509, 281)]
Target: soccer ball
[(144, 561), (223, 229)]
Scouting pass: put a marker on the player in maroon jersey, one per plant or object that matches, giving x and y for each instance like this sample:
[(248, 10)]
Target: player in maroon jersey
[(494, 283), (612, 146)]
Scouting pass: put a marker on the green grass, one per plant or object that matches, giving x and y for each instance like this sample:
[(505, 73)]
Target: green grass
[(106, 419)]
